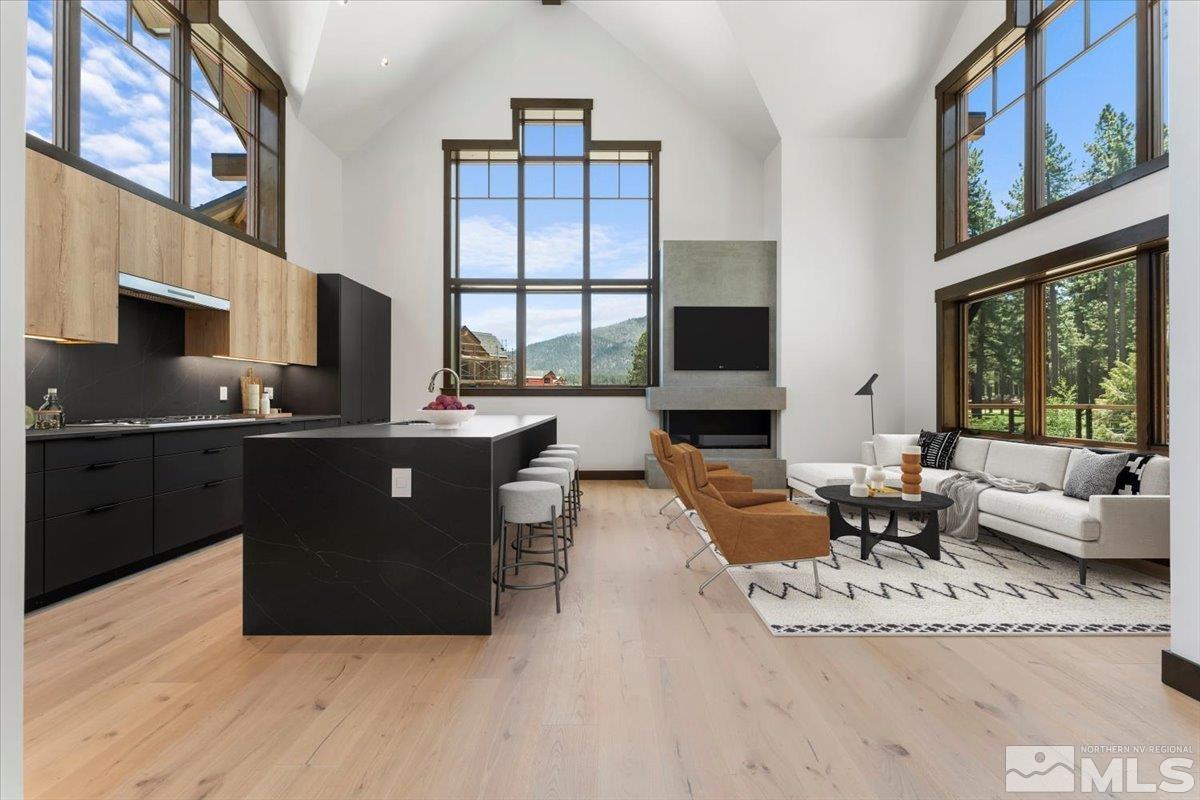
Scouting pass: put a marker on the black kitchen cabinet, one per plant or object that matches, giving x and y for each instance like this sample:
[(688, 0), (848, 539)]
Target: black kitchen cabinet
[(34, 545), (376, 350), (354, 351), (184, 470), (90, 543), (191, 515), (82, 488), (34, 541)]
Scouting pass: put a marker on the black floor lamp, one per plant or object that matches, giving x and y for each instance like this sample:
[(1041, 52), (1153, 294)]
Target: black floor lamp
[(869, 391)]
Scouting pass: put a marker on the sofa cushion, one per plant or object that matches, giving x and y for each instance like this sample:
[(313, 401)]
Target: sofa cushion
[(1048, 510), (888, 447), (1034, 463), (1156, 477), (930, 477), (970, 455), (1089, 473), (821, 474), (937, 449)]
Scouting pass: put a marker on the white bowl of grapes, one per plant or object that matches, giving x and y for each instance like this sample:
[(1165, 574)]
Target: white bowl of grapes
[(446, 412)]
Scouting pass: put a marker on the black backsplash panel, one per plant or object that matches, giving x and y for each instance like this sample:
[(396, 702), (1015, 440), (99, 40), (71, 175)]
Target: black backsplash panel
[(145, 375)]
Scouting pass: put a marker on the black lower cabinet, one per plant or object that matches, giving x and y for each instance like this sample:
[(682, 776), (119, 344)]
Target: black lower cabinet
[(89, 543), (185, 470), (34, 542), (190, 515)]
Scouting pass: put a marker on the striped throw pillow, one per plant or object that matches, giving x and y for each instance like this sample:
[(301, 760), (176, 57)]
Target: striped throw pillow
[(937, 449)]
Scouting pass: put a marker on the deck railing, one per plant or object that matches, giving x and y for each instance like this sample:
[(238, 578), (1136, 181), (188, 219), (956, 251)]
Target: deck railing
[(1084, 414)]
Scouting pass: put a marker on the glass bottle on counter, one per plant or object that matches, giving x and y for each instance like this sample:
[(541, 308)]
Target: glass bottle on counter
[(50, 414)]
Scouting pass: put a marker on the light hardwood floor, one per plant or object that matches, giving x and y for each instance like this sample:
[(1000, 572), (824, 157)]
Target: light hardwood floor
[(640, 688)]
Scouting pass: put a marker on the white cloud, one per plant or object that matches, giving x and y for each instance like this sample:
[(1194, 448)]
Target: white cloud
[(619, 254), (554, 250), (39, 36), (610, 308), (113, 148), (487, 246), (155, 175)]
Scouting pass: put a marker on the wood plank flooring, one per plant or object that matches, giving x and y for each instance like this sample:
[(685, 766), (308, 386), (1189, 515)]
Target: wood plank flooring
[(641, 688)]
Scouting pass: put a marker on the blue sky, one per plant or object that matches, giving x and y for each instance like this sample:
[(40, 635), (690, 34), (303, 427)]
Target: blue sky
[(1074, 97), (125, 114)]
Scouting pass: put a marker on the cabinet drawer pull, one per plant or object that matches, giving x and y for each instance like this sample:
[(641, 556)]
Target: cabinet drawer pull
[(105, 507), (211, 484), (106, 435), (103, 464), (214, 450)]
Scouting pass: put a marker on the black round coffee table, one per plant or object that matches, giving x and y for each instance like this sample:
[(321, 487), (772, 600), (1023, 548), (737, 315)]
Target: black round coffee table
[(927, 541)]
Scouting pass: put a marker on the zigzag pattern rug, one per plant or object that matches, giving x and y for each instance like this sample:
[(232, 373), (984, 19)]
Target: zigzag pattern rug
[(995, 586)]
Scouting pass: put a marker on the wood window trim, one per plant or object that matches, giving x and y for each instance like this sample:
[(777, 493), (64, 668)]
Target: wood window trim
[(1022, 18), (586, 286), (1143, 243), (66, 117)]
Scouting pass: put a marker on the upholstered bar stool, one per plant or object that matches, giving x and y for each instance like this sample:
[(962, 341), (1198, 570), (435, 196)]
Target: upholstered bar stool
[(554, 452), (577, 450), (527, 503), (562, 461), (563, 478)]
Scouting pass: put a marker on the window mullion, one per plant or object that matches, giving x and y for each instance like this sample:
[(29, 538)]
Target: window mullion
[(585, 295), (1034, 114), (181, 115), (66, 75), (1146, 351), (519, 378), (1034, 362), (1144, 82)]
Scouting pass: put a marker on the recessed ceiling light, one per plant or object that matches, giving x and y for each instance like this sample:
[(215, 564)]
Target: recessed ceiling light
[(383, 62)]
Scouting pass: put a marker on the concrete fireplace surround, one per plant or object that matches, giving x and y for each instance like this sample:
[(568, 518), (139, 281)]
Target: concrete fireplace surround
[(720, 273)]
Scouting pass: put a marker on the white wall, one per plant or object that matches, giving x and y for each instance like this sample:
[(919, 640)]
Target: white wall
[(916, 236), (12, 367), (313, 173), (711, 187), (1185, 329), (839, 318)]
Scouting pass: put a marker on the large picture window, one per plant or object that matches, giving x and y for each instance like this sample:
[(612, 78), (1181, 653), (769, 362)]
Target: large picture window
[(171, 104), (551, 257), (1071, 347), (1064, 101)]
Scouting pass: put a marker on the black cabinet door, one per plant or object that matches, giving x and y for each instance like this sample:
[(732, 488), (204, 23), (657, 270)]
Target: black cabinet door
[(376, 356), (83, 488), (33, 559), (184, 470), (190, 515), (350, 324), (90, 543), (35, 454), (33, 496)]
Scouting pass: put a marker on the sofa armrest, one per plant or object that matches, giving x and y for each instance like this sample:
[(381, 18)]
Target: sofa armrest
[(867, 451), (1133, 526)]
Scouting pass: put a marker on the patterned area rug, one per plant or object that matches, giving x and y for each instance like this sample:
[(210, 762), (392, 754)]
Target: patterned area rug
[(995, 586)]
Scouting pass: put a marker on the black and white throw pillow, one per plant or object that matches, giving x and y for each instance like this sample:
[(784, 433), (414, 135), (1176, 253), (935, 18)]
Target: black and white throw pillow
[(1130, 479), (937, 449)]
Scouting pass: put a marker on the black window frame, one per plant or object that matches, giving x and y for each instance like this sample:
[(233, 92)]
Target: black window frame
[(190, 18), (522, 286), (1025, 21)]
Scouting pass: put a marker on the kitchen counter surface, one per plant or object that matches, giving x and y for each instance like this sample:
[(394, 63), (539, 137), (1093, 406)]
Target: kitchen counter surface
[(481, 426), (91, 431)]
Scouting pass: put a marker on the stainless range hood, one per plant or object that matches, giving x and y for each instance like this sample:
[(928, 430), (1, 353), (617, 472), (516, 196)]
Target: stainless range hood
[(146, 289)]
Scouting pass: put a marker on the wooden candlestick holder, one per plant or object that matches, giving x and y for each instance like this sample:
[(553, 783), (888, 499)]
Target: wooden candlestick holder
[(910, 474)]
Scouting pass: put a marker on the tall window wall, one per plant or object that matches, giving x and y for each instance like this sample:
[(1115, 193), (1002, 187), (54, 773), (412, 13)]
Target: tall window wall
[(1066, 100), (1073, 349), (551, 256), (173, 104)]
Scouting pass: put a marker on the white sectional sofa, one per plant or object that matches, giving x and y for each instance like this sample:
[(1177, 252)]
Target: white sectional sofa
[(1106, 526)]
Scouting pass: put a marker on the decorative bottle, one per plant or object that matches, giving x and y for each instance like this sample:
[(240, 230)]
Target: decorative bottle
[(50, 414)]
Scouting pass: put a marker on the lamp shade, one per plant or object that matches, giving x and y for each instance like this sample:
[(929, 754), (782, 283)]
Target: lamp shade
[(867, 388)]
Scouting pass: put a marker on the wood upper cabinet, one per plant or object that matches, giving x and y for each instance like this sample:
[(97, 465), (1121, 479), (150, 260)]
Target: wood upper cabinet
[(206, 255), (151, 240), (300, 315), (270, 306), (71, 222)]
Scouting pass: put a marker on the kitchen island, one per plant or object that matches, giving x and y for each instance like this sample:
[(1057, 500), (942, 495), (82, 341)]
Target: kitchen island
[(332, 544)]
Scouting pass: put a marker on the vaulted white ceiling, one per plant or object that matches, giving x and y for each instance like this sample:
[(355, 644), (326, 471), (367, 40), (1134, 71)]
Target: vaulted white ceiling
[(758, 67)]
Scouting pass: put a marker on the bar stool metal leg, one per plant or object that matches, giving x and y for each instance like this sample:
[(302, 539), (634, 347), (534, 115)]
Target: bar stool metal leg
[(554, 546)]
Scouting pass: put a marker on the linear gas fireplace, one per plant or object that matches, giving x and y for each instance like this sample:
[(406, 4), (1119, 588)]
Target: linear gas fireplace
[(724, 430)]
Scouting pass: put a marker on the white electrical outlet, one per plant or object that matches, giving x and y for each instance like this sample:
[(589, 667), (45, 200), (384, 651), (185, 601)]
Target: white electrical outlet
[(224, 393), (401, 482), (269, 391)]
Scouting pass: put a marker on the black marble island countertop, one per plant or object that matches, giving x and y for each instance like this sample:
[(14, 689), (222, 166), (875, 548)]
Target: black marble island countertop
[(329, 547), (92, 431)]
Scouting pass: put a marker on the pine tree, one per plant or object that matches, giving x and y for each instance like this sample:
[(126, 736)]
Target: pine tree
[(1111, 148), (981, 210), (637, 375), (1060, 167), (1014, 204)]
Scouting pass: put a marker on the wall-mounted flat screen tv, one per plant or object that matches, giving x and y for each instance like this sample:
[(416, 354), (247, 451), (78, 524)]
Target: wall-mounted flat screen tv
[(722, 338)]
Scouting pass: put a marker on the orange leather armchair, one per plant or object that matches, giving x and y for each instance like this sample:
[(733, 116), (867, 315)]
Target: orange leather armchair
[(754, 528), (668, 456)]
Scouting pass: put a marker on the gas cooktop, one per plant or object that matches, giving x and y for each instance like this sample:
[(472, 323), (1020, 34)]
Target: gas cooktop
[(156, 422)]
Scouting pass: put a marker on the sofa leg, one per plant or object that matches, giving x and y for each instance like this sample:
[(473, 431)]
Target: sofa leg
[(791, 494), (1082, 571)]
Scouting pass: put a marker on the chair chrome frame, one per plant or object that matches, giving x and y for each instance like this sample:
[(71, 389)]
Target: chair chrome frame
[(726, 567)]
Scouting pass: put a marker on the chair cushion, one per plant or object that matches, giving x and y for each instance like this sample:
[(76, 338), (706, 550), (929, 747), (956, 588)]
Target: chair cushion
[(1048, 510), (821, 474), (1035, 463), (888, 447), (970, 455)]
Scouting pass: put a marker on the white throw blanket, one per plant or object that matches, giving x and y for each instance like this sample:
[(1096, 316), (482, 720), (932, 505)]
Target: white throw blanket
[(961, 520)]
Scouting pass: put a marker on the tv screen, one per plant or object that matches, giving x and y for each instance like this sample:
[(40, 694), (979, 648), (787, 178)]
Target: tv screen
[(722, 337)]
